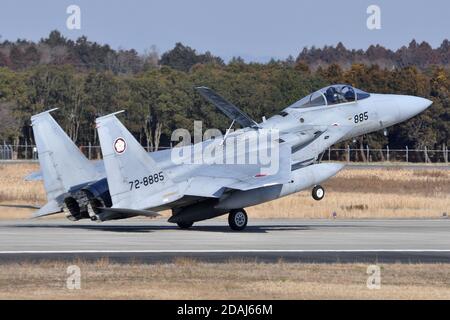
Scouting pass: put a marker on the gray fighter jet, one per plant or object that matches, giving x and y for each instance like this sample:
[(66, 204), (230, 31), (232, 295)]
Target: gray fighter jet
[(199, 181)]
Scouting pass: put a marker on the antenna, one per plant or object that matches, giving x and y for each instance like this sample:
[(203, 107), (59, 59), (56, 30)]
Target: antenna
[(226, 133)]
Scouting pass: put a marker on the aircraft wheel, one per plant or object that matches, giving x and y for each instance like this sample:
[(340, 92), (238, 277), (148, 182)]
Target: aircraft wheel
[(237, 219), (184, 225), (318, 193)]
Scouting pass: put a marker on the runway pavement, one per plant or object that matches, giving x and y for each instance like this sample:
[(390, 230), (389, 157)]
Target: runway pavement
[(264, 240)]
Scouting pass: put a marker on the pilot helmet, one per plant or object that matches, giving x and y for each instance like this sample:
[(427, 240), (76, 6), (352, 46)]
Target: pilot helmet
[(331, 91)]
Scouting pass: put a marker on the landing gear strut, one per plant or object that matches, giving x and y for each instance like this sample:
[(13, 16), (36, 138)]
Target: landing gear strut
[(237, 219), (318, 193)]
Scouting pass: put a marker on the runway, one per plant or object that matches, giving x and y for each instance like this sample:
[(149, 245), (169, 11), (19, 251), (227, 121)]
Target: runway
[(263, 240)]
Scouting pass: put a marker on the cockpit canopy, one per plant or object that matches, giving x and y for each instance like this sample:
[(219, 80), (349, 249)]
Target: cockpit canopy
[(331, 95)]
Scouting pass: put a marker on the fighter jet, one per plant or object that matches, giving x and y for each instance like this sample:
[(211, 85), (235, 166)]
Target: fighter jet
[(131, 181)]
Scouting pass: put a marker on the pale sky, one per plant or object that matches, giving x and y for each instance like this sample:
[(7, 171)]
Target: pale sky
[(254, 29)]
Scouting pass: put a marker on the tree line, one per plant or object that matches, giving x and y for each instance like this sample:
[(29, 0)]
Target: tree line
[(85, 79)]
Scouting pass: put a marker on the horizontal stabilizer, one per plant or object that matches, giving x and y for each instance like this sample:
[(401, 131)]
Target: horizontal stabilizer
[(34, 176), (49, 208), (121, 213), (229, 109), (20, 206)]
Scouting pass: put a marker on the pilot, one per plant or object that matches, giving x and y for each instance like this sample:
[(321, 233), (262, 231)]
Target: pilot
[(349, 95), (331, 95)]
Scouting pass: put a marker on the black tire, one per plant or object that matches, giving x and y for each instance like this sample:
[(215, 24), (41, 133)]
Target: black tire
[(237, 219), (184, 224), (318, 193)]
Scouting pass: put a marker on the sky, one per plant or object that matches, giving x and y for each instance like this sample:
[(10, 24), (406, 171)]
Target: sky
[(256, 30)]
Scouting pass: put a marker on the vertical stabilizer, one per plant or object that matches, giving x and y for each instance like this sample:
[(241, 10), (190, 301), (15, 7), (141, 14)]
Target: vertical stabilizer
[(135, 180), (62, 164)]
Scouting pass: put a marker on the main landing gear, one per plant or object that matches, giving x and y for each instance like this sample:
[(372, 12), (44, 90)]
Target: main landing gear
[(237, 219), (318, 193)]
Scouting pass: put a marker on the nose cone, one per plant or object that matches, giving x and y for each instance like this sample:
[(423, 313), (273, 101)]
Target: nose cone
[(409, 106)]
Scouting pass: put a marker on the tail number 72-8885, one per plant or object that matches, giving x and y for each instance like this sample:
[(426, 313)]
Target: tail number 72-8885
[(146, 181)]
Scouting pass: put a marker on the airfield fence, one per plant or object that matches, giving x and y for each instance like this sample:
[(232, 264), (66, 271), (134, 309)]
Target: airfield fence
[(366, 154)]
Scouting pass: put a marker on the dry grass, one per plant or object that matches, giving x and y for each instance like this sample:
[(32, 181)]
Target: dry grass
[(13, 187), (353, 193), (15, 190), (369, 193), (188, 279)]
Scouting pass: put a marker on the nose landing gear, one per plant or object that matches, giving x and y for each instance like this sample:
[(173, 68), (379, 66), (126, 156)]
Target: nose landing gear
[(318, 193)]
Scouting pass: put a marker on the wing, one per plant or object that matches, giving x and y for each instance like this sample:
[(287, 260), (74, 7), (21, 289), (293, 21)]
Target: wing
[(212, 180), (229, 109)]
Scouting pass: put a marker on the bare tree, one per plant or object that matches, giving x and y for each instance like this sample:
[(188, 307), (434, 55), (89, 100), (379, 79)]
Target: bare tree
[(153, 133), (151, 57)]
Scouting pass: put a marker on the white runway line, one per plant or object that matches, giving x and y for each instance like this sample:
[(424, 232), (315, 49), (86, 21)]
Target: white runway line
[(227, 251)]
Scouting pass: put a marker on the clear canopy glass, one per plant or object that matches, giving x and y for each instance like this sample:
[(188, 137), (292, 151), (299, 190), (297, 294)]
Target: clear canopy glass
[(331, 95)]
